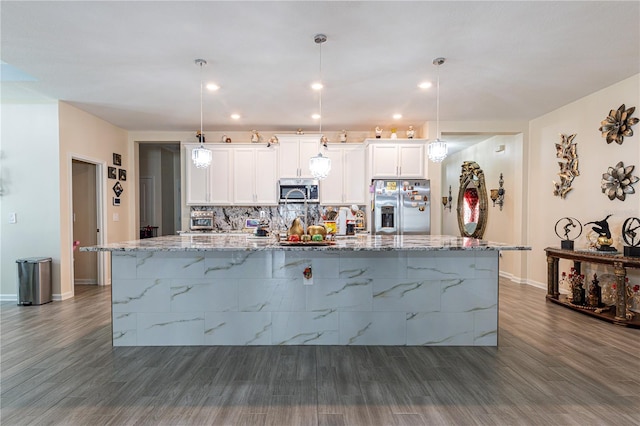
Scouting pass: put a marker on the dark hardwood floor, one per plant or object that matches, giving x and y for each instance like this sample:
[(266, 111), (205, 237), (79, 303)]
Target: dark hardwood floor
[(552, 367)]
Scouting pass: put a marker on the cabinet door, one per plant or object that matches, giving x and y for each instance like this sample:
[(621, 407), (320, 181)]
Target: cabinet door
[(331, 188), (411, 161), (266, 176), (307, 148), (289, 159), (384, 161), (355, 185), (244, 176), (220, 177), (197, 181)]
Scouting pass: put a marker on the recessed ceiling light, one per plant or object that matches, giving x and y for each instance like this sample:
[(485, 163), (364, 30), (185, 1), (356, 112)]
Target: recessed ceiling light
[(235, 116), (316, 86), (315, 116), (397, 116), (425, 85), (212, 87)]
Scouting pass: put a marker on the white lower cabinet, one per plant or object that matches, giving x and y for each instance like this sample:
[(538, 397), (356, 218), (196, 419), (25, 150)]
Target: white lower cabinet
[(346, 182), (255, 176), (211, 185)]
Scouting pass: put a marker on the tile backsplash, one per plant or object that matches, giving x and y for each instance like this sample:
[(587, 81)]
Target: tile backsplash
[(228, 218)]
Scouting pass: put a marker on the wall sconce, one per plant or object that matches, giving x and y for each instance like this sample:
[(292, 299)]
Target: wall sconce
[(497, 195), (446, 201)]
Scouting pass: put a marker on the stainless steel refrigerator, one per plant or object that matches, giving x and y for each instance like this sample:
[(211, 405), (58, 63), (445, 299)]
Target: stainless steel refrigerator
[(401, 207)]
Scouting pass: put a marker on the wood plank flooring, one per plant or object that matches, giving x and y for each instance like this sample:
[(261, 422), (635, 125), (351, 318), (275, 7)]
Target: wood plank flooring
[(552, 367)]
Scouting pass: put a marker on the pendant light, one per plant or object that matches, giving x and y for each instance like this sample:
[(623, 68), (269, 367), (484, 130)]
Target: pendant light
[(437, 149), (320, 166), (201, 156)]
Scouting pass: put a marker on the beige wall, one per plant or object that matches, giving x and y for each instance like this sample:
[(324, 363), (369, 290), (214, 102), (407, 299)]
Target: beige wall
[(85, 136), (586, 202), (502, 225), (30, 173)]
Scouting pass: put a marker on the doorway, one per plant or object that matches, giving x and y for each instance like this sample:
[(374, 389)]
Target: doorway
[(85, 221)]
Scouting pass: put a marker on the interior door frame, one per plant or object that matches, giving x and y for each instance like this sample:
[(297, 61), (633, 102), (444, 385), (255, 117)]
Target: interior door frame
[(101, 212)]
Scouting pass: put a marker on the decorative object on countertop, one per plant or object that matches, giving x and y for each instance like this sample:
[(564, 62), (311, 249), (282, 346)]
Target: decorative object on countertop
[(604, 241), (394, 135), (296, 228), (410, 132), (572, 230), (594, 299), (272, 140), (568, 151), (497, 195), (617, 181), (618, 124), (320, 166), (201, 156), (378, 131), (472, 201), (447, 201), (437, 149), (343, 136), (631, 236)]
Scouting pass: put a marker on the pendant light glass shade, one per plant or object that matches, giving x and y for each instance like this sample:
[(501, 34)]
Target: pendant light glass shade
[(201, 156), (437, 150), (320, 166)]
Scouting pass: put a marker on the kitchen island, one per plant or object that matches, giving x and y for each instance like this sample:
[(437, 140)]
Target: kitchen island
[(243, 290)]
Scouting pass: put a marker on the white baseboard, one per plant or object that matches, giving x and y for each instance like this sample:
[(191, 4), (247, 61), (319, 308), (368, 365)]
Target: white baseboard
[(8, 297), (519, 280), (63, 296), (85, 281)]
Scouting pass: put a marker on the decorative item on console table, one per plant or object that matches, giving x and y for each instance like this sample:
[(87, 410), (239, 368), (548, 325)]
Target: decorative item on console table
[(631, 236), (571, 231), (594, 299), (603, 242)]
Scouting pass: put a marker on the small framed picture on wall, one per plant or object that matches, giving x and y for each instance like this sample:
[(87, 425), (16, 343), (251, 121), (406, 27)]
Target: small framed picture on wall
[(117, 159), (122, 174), (111, 172)]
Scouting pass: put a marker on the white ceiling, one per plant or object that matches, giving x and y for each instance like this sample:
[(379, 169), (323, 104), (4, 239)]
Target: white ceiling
[(132, 63)]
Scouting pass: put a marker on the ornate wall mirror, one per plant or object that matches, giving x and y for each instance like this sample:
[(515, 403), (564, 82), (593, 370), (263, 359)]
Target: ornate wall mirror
[(472, 201)]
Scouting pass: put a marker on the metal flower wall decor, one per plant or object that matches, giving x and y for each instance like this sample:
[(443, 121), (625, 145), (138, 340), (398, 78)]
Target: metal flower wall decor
[(617, 181), (568, 151), (618, 124)]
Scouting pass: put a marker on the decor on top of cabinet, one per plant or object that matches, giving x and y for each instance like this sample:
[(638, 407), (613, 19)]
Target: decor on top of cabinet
[(631, 236), (255, 136), (272, 140), (410, 132), (618, 124), (225, 139), (378, 131), (568, 151), (603, 241), (394, 135), (617, 181), (343, 136), (299, 132), (572, 229)]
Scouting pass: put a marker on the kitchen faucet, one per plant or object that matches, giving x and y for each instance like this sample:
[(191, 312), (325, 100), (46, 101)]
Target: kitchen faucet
[(306, 208)]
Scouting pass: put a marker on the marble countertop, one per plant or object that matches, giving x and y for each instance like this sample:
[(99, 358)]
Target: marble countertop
[(218, 242)]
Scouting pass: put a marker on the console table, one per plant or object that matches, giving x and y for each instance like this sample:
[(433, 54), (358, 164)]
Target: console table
[(620, 265)]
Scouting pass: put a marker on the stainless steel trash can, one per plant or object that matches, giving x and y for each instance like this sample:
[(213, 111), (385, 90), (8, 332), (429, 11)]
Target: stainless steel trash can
[(34, 280)]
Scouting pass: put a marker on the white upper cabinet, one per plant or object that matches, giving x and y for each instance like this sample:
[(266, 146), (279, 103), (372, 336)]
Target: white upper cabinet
[(396, 158), (211, 185), (295, 152), (346, 183), (255, 176)]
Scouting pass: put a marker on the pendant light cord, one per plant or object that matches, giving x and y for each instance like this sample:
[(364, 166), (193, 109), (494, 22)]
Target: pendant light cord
[(438, 104), (201, 133), (321, 89)]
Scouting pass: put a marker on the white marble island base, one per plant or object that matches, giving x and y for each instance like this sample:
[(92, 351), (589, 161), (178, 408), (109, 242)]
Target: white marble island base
[(259, 297)]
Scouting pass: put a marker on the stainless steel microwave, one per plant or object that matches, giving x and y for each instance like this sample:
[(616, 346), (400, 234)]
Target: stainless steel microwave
[(297, 190)]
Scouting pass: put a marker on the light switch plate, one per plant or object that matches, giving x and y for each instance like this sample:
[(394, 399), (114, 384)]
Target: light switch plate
[(116, 217), (13, 218)]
